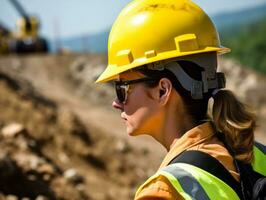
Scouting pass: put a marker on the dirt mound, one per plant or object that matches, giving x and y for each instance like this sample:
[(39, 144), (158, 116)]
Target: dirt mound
[(47, 152)]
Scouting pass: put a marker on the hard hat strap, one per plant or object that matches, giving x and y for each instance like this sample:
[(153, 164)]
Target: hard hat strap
[(196, 88), (210, 79)]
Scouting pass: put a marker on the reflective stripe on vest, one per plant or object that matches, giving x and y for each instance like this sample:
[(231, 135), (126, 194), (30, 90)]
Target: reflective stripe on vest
[(171, 178), (185, 182), (194, 183), (259, 162)]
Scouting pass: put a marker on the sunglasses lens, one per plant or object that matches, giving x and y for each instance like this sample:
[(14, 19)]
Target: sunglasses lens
[(121, 87), (120, 93)]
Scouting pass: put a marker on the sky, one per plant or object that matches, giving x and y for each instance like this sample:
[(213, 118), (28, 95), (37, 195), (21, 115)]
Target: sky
[(68, 18)]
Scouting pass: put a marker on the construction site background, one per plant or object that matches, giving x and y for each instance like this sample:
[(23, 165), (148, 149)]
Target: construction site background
[(61, 139)]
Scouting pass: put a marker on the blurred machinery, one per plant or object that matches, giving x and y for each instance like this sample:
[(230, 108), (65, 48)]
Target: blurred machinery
[(26, 39), (4, 36)]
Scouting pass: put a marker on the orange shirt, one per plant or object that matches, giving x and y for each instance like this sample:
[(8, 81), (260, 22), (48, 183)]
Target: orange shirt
[(200, 138)]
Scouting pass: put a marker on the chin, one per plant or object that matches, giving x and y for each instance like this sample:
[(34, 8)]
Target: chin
[(132, 132)]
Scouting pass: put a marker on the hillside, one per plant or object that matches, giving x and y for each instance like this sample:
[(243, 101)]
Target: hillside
[(248, 45), (239, 18), (52, 139)]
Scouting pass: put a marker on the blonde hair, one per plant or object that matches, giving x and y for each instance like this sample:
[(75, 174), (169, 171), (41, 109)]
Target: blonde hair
[(236, 123)]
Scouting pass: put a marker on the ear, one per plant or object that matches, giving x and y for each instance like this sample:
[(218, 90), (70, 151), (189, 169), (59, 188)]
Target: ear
[(165, 89)]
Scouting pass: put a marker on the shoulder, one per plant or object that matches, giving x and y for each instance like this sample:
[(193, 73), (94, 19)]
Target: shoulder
[(157, 187), (184, 181)]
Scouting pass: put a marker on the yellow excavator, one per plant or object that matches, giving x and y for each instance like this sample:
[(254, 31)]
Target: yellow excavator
[(26, 39)]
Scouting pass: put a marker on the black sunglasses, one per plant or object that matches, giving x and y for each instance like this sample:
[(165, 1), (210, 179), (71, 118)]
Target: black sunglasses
[(122, 87)]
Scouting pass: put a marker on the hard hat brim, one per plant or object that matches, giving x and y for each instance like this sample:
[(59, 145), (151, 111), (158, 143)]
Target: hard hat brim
[(112, 71)]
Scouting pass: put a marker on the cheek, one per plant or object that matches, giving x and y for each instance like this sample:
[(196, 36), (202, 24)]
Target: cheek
[(138, 102), (140, 116), (139, 122), (136, 121), (139, 109)]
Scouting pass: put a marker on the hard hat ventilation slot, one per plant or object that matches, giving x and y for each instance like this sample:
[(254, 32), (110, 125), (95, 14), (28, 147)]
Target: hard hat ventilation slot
[(187, 42), (124, 57), (150, 54)]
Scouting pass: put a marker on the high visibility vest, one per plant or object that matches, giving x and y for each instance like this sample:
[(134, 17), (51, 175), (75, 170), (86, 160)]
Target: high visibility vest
[(259, 164), (193, 183)]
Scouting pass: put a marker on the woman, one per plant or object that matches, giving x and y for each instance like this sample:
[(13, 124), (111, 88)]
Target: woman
[(162, 56)]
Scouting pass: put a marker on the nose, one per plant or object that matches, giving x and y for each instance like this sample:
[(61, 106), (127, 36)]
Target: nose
[(117, 105)]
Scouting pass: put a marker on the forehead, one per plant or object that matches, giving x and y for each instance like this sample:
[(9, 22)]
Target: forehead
[(128, 75)]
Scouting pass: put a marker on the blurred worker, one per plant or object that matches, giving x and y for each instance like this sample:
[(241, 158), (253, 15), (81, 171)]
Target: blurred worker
[(162, 57)]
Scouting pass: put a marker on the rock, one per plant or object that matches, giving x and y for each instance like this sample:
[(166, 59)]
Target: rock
[(47, 177), (122, 146), (12, 130), (32, 177), (46, 169), (41, 197), (25, 198), (28, 161), (73, 176), (63, 157), (80, 187), (11, 197), (21, 142)]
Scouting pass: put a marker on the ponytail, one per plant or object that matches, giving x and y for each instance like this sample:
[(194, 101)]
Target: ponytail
[(236, 124)]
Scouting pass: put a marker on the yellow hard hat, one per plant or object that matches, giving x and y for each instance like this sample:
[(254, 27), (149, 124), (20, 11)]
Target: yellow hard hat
[(147, 31)]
